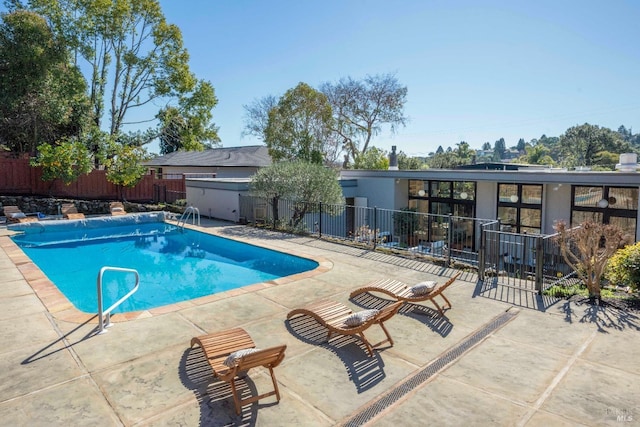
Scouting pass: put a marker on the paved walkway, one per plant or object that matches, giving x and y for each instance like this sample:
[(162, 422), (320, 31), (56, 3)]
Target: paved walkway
[(499, 357)]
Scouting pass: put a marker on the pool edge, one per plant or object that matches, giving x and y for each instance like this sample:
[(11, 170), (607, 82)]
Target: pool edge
[(57, 304)]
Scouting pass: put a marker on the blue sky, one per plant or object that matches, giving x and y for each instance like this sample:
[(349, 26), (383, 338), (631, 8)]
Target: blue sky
[(475, 70)]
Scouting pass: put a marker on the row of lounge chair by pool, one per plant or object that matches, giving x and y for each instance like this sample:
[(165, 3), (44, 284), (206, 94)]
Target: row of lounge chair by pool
[(68, 211), (232, 353)]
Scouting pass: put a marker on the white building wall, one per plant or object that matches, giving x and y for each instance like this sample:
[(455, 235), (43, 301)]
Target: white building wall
[(556, 205), (216, 199), (380, 192), (487, 200)]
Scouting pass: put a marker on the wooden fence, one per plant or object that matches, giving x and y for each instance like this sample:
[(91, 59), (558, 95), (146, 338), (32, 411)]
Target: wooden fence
[(19, 178)]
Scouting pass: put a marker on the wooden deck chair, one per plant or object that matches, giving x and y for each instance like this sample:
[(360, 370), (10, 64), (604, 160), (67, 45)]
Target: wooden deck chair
[(336, 318), (69, 211), (219, 348), (117, 208), (15, 215), (404, 293)]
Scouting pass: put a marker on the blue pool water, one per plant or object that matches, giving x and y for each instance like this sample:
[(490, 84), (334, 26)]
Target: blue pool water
[(174, 265)]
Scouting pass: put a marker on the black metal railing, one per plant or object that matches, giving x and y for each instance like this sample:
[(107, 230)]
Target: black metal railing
[(439, 236)]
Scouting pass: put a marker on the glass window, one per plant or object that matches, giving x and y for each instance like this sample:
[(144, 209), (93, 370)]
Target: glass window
[(623, 198), (627, 225), (417, 188), (520, 207), (532, 194), (508, 193), (464, 190), (587, 196), (606, 205), (578, 217), (441, 189)]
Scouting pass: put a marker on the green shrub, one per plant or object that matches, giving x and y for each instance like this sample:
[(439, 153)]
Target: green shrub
[(624, 267)]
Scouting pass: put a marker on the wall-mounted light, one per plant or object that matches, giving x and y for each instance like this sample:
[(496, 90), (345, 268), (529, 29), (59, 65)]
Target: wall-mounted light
[(514, 199), (397, 181), (603, 203), (464, 195), (421, 193)]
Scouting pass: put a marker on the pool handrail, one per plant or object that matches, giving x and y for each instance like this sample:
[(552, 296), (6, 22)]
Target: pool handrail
[(190, 211), (102, 325)]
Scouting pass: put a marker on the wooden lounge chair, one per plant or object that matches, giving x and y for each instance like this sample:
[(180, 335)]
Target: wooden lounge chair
[(15, 215), (219, 346), (69, 211), (333, 315), (404, 293), (117, 208)]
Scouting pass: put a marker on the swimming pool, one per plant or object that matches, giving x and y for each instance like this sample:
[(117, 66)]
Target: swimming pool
[(174, 264)]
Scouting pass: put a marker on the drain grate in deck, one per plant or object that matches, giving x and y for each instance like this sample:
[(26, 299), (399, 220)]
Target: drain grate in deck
[(437, 365)]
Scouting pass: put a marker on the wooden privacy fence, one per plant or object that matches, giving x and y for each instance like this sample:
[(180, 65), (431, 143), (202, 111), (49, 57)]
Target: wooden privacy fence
[(19, 178)]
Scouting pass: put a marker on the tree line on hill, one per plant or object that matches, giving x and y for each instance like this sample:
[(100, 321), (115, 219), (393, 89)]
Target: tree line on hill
[(583, 145)]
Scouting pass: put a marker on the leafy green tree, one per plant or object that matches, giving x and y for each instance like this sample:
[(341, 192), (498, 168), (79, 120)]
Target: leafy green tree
[(580, 145), (409, 163), (66, 161), (301, 182), (605, 160), (462, 155), (124, 165), (521, 145), (362, 108), (537, 155), (373, 159), (440, 150), (188, 127), (299, 126), (465, 153), (486, 146), (42, 97), (135, 56), (499, 147)]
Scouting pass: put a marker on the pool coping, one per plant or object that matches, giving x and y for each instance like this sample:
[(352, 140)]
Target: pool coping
[(61, 308)]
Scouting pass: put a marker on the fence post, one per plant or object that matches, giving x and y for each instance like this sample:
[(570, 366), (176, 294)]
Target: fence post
[(539, 264), (375, 227), (481, 252), (320, 221), (449, 238)]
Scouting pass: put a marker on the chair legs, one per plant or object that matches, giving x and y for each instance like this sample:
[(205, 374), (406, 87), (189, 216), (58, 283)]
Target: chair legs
[(240, 402)]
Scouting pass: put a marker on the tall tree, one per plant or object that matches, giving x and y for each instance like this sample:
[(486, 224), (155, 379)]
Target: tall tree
[(256, 115), (187, 127), (499, 147), (486, 146), (42, 96), (135, 57), (299, 126), (362, 108), (580, 145), (521, 145)]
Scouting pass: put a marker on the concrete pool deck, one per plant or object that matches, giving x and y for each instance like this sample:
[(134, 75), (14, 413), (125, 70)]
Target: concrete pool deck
[(499, 357)]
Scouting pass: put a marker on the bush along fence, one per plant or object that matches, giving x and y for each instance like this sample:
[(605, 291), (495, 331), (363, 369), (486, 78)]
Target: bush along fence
[(18, 177), (526, 261)]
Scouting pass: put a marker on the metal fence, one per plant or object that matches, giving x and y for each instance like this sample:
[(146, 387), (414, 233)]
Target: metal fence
[(525, 261), (446, 237)]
